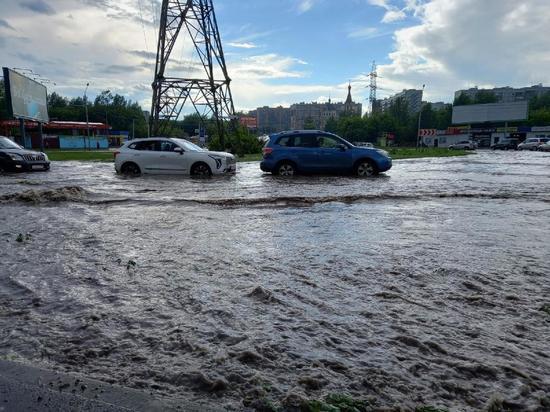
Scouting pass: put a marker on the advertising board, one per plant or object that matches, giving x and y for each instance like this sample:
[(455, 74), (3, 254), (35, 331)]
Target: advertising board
[(492, 112), (26, 98)]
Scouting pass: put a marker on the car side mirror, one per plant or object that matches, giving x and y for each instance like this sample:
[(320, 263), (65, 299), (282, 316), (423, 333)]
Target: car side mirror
[(342, 147), (178, 150)]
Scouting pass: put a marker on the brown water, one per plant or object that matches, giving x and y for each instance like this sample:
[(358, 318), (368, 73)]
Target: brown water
[(422, 286)]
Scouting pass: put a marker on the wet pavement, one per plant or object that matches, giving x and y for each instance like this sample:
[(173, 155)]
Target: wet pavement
[(424, 286)]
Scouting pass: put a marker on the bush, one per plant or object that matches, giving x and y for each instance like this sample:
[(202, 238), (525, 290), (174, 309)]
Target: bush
[(239, 142)]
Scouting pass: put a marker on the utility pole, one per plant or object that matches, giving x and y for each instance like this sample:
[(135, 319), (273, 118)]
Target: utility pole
[(420, 117), (209, 95), (133, 129), (87, 120)]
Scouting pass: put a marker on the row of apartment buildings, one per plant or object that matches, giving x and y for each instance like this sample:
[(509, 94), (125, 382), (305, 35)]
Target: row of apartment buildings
[(297, 116)]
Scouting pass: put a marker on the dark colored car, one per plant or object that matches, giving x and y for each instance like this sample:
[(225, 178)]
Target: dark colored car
[(312, 151), (14, 158), (506, 144)]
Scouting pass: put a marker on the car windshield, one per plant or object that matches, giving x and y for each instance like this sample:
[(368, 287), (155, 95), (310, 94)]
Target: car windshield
[(6, 143), (187, 145)]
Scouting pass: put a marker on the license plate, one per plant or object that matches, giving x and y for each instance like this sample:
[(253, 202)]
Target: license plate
[(37, 167)]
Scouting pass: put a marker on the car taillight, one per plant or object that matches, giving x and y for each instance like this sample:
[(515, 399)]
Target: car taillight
[(267, 151), (115, 154)]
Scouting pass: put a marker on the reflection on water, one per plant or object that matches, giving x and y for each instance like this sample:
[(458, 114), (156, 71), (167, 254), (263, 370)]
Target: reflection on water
[(423, 286)]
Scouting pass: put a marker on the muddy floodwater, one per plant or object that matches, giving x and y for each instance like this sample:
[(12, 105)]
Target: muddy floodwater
[(429, 285)]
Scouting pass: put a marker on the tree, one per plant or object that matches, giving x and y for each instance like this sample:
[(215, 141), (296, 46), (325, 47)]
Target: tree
[(309, 124), (463, 100), (539, 102), (485, 96), (105, 98), (399, 109), (56, 100), (444, 117), (331, 125), (540, 117), (3, 104), (190, 123)]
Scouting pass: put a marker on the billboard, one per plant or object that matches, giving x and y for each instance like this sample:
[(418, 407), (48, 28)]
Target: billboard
[(492, 112), (26, 98)]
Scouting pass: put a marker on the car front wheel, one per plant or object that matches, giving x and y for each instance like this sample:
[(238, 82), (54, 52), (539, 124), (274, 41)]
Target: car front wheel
[(366, 168), (201, 170)]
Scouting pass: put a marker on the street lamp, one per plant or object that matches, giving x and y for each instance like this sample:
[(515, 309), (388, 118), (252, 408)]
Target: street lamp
[(420, 117), (86, 110)]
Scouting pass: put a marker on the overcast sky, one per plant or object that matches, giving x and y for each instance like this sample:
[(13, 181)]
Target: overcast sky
[(286, 51)]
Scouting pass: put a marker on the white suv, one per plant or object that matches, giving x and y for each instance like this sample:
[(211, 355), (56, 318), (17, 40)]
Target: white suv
[(160, 155), (532, 143), (464, 145)]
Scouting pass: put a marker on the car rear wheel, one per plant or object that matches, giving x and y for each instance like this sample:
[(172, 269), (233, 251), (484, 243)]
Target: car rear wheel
[(366, 168), (130, 169), (201, 170), (285, 169)]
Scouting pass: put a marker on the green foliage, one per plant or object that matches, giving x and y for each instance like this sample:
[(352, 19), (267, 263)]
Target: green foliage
[(80, 155), (540, 117), (114, 110), (309, 124), (463, 100), (540, 102), (485, 96), (3, 107), (238, 141), (429, 409), (545, 308), (336, 403), (331, 125)]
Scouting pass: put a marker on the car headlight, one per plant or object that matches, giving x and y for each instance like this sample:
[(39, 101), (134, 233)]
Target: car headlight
[(15, 156), (383, 152), (46, 157)]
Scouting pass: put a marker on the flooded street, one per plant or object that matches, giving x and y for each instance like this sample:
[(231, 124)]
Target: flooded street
[(423, 286)]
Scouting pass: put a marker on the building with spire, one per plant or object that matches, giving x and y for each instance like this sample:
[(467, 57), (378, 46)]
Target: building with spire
[(305, 115), (349, 106), (315, 115)]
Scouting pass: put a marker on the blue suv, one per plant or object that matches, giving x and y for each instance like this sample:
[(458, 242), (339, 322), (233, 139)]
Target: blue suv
[(313, 151)]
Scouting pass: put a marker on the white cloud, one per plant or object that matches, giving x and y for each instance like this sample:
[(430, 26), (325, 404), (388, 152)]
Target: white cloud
[(462, 43), (394, 15), (305, 5), (365, 32), (242, 45)]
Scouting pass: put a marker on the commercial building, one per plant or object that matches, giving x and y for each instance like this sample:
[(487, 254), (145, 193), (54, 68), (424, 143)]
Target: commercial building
[(67, 134), (412, 97), (507, 94)]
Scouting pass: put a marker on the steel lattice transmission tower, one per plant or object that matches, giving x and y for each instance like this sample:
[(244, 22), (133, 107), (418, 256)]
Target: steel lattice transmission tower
[(373, 86), (210, 95)]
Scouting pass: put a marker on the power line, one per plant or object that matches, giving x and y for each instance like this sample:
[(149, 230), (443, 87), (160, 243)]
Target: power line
[(143, 26)]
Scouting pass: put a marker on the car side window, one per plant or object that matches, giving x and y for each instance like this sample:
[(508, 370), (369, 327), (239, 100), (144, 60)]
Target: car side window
[(285, 141), (306, 140), (147, 146), (328, 142), (166, 146)]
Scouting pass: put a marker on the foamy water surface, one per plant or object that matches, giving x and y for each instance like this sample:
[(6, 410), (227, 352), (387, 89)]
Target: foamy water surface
[(423, 286)]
